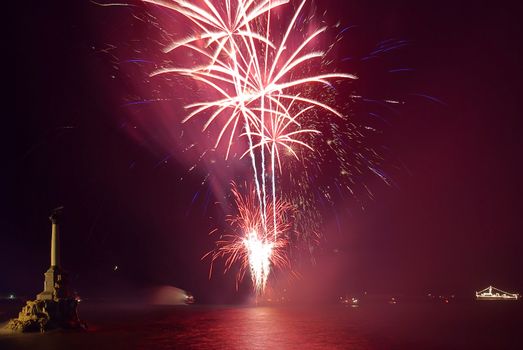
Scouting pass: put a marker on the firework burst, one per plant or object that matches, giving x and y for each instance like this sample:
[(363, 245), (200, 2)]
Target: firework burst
[(251, 245), (258, 71)]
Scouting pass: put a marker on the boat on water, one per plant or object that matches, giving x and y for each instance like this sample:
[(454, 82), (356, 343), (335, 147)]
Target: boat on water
[(492, 293)]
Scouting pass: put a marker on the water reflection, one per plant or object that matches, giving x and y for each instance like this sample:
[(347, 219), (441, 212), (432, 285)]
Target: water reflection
[(372, 326), (260, 328)]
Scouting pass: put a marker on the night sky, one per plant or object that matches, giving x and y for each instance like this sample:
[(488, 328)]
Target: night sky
[(451, 223)]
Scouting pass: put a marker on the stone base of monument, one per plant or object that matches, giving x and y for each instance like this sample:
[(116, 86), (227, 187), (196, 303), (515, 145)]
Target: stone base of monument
[(45, 315)]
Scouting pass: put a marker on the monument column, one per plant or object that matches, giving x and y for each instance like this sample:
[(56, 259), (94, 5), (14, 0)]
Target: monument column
[(55, 241), (55, 279)]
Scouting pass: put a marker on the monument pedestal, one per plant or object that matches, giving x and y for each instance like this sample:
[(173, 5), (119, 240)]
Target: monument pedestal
[(55, 285)]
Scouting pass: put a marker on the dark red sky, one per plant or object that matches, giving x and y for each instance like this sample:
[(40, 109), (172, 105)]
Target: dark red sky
[(452, 223)]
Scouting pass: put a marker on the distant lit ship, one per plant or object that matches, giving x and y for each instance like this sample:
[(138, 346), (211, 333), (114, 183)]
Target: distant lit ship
[(491, 293)]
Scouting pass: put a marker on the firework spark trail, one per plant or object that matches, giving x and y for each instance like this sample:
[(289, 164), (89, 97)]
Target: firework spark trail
[(263, 92)]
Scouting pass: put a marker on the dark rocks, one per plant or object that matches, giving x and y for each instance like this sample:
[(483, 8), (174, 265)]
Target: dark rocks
[(44, 315)]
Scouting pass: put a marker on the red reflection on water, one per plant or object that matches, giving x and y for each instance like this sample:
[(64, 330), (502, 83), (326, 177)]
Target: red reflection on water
[(261, 328)]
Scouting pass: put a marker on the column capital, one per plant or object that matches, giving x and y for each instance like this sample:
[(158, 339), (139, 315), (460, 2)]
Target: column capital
[(55, 215)]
